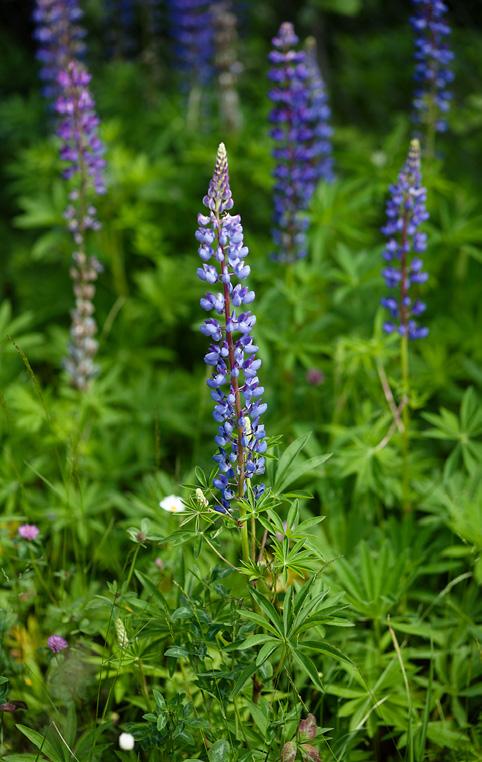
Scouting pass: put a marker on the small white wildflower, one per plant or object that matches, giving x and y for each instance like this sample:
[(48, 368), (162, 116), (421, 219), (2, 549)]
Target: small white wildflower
[(201, 498), (126, 741), (172, 504), (378, 159)]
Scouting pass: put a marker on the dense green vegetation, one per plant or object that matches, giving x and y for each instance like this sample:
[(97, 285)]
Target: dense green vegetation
[(357, 605)]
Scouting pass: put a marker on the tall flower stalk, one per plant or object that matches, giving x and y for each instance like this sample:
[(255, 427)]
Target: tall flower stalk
[(406, 211), (319, 115), (119, 18), (60, 38), (226, 62), (82, 151), (432, 70), (291, 133), (193, 34), (232, 356)]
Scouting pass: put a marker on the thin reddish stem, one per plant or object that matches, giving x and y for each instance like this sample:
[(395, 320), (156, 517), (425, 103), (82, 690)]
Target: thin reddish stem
[(233, 378)]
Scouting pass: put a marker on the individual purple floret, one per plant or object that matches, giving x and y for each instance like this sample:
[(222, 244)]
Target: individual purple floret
[(292, 134), (193, 34), (232, 355), (82, 151), (60, 38), (433, 58), (319, 115), (57, 643), (405, 213)]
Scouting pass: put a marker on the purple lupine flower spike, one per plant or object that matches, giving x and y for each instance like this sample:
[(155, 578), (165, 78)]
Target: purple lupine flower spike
[(319, 115), (60, 38), (405, 242), (433, 58), (193, 34), (82, 151), (291, 132), (232, 355)]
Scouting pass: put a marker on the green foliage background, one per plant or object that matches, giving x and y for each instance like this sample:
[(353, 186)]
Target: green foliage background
[(403, 681)]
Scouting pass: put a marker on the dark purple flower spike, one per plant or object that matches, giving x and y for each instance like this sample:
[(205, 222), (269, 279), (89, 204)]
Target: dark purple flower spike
[(406, 211)]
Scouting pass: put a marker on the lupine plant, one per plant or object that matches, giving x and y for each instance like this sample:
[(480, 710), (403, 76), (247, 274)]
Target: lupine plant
[(319, 115), (193, 34), (292, 133), (60, 38), (234, 383), (155, 604), (82, 151), (406, 212), (227, 64), (433, 74)]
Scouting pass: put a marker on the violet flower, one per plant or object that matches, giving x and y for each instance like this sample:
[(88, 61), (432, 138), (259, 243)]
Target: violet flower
[(28, 532), (82, 150), (232, 355), (291, 132), (433, 58), (405, 242), (57, 643), (60, 38), (192, 31), (319, 115)]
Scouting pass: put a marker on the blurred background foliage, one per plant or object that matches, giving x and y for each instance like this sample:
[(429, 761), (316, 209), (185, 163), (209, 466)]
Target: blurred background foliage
[(88, 469)]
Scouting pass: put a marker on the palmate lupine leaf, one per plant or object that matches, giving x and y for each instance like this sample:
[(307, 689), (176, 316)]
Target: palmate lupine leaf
[(303, 611), (464, 430)]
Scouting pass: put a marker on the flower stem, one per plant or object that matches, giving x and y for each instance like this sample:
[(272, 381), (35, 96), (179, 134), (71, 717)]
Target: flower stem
[(133, 563), (406, 424), (404, 320), (244, 534), (237, 401)]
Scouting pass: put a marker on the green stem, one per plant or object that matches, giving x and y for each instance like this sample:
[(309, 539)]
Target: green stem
[(406, 423), (244, 534), (253, 537), (133, 563)]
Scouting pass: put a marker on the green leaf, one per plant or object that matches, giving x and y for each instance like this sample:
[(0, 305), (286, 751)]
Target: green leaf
[(254, 640), (23, 758), (266, 651), (41, 743), (242, 678), (308, 665), (253, 616), (177, 652), (268, 609), (326, 648), (220, 751), (291, 468), (287, 459)]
